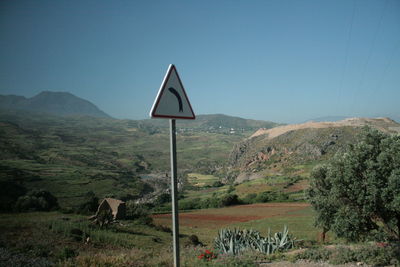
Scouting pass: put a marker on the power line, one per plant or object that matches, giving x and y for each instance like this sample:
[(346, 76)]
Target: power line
[(347, 52), (385, 70), (369, 54)]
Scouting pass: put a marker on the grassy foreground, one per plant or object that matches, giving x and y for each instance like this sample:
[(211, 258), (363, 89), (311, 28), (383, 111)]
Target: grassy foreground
[(52, 238), (56, 239)]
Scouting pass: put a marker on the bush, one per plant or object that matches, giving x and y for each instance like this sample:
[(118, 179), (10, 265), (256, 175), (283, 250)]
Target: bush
[(229, 200), (250, 198), (264, 197), (210, 203), (190, 204), (90, 204), (137, 212), (372, 255), (162, 198), (282, 197), (193, 240), (314, 254), (343, 255), (379, 256), (217, 184), (37, 200), (231, 188)]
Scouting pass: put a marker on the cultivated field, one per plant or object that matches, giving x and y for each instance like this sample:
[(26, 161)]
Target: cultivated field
[(206, 223)]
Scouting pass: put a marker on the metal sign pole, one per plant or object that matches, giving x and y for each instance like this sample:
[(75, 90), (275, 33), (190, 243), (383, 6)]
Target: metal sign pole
[(174, 192)]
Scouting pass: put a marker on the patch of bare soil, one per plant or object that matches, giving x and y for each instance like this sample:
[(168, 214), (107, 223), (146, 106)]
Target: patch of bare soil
[(274, 132)]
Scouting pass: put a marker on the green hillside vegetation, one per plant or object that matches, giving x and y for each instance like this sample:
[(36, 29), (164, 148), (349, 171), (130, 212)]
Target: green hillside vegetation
[(295, 151), (217, 123), (78, 160), (70, 156)]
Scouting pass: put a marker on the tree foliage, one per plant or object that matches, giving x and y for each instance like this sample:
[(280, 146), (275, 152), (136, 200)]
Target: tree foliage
[(37, 200), (357, 194), (89, 204)]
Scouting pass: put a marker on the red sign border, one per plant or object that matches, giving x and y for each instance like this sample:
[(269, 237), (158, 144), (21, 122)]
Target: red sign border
[(153, 115)]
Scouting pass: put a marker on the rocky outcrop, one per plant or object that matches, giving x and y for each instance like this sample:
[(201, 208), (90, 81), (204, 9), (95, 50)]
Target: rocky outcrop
[(294, 144)]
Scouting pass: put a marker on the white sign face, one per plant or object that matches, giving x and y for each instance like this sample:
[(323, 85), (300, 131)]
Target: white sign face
[(171, 101)]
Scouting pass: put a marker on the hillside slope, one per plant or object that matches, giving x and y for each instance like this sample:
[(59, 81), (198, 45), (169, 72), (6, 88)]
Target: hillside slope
[(286, 149), (55, 103), (72, 155), (216, 123)]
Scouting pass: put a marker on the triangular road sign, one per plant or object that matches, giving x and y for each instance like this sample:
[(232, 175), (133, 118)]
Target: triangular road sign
[(171, 101)]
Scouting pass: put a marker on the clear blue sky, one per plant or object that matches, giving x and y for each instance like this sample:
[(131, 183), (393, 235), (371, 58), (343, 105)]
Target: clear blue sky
[(285, 61)]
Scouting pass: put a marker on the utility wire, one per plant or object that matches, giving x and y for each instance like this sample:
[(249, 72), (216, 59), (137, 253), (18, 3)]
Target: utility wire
[(369, 55), (346, 53), (385, 71)]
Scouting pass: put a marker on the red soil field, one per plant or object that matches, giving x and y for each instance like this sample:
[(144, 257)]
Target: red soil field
[(224, 216)]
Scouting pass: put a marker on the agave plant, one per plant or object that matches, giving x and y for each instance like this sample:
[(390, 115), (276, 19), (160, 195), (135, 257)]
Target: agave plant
[(236, 241)]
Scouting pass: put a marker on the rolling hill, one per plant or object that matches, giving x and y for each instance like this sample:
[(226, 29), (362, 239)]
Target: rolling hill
[(55, 103), (290, 148), (72, 155), (216, 123)]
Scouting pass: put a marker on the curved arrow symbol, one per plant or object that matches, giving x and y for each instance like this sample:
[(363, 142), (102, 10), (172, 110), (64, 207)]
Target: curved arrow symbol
[(172, 90)]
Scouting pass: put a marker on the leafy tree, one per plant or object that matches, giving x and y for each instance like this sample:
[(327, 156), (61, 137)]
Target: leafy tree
[(37, 200), (138, 212), (89, 204), (357, 194), (162, 198), (229, 200)]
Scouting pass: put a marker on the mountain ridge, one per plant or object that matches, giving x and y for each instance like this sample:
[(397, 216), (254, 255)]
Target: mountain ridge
[(56, 103)]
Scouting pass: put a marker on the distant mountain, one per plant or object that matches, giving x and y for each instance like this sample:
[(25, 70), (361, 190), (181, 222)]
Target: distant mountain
[(56, 103), (212, 122)]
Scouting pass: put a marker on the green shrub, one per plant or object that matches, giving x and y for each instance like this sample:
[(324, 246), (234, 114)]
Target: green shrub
[(314, 254), (281, 197), (250, 198), (190, 204), (229, 200), (231, 188), (37, 200), (138, 212), (379, 256), (89, 204), (343, 255), (264, 197), (162, 198), (372, 255), (217, 184)]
